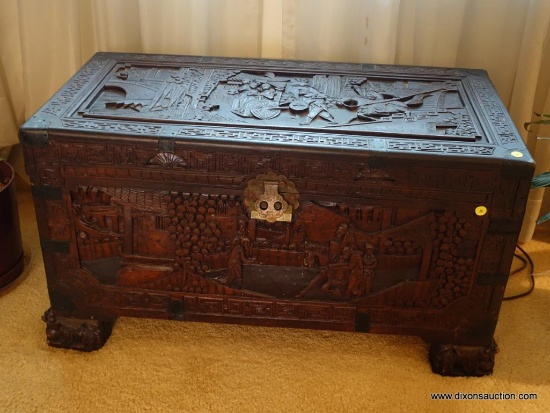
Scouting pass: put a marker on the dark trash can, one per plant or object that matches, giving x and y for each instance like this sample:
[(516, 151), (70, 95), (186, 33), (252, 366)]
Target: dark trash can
[(11, 248)]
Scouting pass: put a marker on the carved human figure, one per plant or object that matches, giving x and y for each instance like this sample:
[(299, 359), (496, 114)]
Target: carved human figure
[(369, 265), (298, 233), (338, 274), (344, 238), (379, 106), (316, 257), (356, 274), (335, 267), (242, 225), (235, 262)]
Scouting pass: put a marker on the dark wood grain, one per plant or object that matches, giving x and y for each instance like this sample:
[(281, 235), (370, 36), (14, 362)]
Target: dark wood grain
[(300, 194)]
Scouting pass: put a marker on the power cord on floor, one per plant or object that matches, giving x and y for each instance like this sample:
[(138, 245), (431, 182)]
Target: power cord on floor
[(525, 260)]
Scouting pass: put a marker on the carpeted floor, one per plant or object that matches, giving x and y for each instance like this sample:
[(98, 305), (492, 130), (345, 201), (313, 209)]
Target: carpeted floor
[(167, 366)]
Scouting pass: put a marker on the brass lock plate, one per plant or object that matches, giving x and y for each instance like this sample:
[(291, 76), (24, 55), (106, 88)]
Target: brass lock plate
[(271, 197)]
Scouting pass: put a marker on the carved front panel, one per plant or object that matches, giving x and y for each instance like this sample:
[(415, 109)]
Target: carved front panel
[(362, 254)]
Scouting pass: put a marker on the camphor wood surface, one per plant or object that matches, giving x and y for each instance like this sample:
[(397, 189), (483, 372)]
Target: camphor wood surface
[(302, 194)]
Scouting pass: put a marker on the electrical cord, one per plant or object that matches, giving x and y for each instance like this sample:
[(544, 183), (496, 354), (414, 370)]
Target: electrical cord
[(525, 261), (523, 266)]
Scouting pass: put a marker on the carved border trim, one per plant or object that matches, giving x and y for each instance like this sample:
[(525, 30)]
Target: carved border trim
[(189, 59), (289, 63), (421, 70), (282, 137), (110, 126), (65, 97), (403, 145), (495, 111), (277, 137)]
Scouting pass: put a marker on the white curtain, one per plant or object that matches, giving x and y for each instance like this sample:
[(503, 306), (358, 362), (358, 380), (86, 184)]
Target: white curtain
[(44, 42)]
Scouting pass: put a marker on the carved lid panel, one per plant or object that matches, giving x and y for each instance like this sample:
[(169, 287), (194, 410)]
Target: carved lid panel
[(426, 108), (300, 102)]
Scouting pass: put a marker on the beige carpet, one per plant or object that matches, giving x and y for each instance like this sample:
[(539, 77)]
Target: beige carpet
[(168, 366)]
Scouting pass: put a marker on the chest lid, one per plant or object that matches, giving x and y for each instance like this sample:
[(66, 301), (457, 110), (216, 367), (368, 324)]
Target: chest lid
[(315, 105)]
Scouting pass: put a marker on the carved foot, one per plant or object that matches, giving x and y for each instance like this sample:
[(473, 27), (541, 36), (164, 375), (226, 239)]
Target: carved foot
[(458, 360), (76, 334)]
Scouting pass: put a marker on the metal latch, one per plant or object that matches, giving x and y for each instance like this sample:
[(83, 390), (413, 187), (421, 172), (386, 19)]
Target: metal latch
[(271, 197)]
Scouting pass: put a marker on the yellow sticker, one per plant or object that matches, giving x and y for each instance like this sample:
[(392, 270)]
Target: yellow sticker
[(481, 210), (517, 154)]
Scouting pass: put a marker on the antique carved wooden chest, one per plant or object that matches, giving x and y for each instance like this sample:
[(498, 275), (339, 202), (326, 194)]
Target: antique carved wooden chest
[(353, 197)]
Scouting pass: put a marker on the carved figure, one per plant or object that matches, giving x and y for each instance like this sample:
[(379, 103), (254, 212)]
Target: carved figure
[(298, 233), (316, 257), (369, 262), (337, 276), (234, 277), (346, 274), (344, 238), (342, 269), (356, 273), (379, 106)]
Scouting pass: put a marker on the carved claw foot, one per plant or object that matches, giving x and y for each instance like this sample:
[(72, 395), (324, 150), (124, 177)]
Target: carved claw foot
[(76, 334), (459, 360)]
